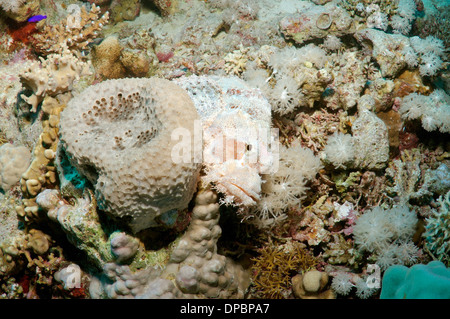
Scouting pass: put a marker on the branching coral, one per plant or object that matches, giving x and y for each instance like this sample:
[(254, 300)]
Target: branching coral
[(56, 74), (235, 62), (409, 178), (78, 30), (274, 267), (437, 234)]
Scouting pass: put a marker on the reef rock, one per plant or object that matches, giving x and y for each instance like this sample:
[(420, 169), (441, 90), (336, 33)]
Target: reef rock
[(317, 22), (14, 161)]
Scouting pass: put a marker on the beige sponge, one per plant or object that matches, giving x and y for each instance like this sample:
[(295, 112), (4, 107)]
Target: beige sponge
[(14, 161), (118, 134)]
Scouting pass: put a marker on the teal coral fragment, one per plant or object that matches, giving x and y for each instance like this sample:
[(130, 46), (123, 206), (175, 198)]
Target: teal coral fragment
[(431, 281), (437, 231)]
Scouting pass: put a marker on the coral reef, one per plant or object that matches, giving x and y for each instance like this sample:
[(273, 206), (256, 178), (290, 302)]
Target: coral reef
[(224, 149), (193, 268), (20, 10), (350, 71), (112, 61), (432, 110), (197, 266), (287, 186), (387, 235), (370, 136), (372, 148), (41, 172), (52, 76), (124, 10), (317, 22)]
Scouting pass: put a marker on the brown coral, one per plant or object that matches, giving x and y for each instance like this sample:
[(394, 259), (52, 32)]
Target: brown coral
[(75, 32), (273, 268), (311, 285), (112, 61)]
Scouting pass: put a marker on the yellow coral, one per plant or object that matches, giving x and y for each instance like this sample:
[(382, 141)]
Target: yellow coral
[(236, 61), (42, 173)]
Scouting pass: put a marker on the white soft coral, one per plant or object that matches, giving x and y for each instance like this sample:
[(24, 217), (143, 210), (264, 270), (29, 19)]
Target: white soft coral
[(432, 110), (285, 96), (430, 52), (286, 187), (387, 235), (339, 150)]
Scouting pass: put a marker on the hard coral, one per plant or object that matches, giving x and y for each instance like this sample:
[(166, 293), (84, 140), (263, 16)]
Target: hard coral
[(124, 10), (106, 58), (78, 30), (14, 161), (437, 234), (41, 172), (191, 266), (52, 76), (199, 269), (20, 10), (112, 61), (311, 285), (138, 174)]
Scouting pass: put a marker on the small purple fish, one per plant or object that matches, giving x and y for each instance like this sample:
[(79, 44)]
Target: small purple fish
[(37, 18)]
